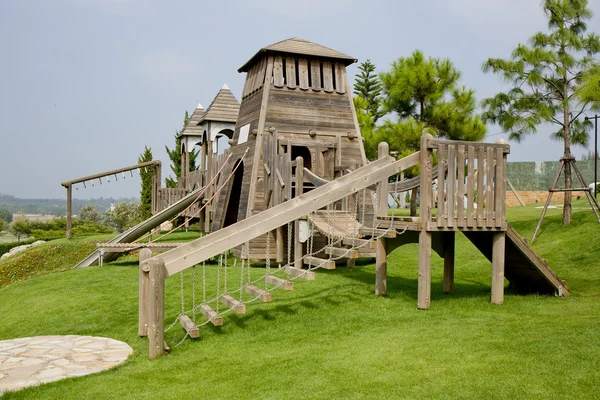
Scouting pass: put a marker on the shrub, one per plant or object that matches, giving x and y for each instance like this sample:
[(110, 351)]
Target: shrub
[(6, 247)]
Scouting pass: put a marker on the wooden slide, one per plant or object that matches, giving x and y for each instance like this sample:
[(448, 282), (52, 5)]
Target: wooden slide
[(142, 228), (524, 269)]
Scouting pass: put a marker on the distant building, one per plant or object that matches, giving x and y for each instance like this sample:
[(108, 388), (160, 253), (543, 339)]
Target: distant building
[(34, 217)]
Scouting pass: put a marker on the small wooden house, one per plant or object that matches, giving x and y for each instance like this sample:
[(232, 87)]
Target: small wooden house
[(300, 90)]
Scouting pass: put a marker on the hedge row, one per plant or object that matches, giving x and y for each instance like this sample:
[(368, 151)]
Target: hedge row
[(6, 247)]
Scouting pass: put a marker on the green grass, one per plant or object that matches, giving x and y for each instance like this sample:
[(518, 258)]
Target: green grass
[(332, 338)]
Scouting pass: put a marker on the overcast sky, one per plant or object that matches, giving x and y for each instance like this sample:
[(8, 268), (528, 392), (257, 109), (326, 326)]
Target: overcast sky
[(85, 84)]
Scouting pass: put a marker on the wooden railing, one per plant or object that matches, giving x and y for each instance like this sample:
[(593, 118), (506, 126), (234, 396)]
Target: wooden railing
[(471, 185)]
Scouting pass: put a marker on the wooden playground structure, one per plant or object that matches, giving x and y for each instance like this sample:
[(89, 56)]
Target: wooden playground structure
[(296, 188)]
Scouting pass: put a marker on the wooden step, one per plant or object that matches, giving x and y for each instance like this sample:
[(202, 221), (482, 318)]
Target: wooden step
[(236, 306), (300, 273), (189, 326), (211, 315), (378, 232), (262, 295), (319, 262), (341, 252), (360, 243), (280, 283)]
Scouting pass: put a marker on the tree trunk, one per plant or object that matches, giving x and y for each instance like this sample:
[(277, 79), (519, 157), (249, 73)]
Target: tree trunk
[(566, 156), (413, 202)]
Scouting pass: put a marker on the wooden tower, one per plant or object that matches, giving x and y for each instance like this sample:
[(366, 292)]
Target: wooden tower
[(300, 90)]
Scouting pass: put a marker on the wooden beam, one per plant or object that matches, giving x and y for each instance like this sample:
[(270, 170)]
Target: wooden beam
[(300, 273), (362, 243), (156, 307), (341, 252), (319, 262), (280, 283), (238, 307), (69, 210), (390, 234), (208, 246), (449, 249), (262, 295), (144, 287), (215, 318), (189, 326), (498, 248), (112, 172)]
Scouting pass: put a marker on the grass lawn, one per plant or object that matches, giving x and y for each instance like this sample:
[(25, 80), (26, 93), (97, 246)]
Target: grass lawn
[(332, 338)]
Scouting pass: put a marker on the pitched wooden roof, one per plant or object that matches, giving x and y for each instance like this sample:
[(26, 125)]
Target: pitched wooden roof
[(224, 107), (298, 46), (192, 128)]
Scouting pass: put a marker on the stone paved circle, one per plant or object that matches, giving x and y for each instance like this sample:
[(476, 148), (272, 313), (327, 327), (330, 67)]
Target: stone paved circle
[(35, 360)]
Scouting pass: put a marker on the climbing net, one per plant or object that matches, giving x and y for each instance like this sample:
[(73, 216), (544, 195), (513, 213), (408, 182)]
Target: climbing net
[(224, 274)]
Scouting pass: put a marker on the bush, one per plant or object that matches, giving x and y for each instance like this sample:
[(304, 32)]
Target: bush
[(6, 247), (57, 228)]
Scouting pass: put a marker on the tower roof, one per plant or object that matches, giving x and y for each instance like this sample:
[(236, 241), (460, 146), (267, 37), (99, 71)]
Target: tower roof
[(224, 107), (298, 46), (192, 128)]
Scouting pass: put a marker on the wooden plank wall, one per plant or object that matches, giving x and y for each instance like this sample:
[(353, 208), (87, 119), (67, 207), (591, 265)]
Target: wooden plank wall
[(475, 174)]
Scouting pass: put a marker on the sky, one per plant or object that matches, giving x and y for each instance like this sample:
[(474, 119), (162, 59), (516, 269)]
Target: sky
[(86, 84)]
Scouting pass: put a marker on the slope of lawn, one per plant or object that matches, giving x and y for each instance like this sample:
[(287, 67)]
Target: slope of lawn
[(332, 338)]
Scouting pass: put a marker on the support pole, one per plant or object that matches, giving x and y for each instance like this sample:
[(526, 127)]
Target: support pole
[(156, 308), (424, 283), (144, 287), (299, 191), (381, 267), (498, 246), (382, 210), (449, 249), (69, 210)]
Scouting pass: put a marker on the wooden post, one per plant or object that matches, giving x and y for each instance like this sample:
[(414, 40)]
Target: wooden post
[(298, 252), (382, 210), (424, 283), (449, 248), (69, 210), (156, 308), (498, 246), (143, 295), (381, 267)]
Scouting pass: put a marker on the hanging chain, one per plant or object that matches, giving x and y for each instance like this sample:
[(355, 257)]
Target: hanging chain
[(225, 275), (268, 260), (364, 201), (247, 247), (181, 290), (194, 294), (203, 282), (219, 281), (242, 279)]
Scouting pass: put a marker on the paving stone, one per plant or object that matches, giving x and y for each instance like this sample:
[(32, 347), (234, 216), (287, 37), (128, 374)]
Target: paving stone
[(32, 361)]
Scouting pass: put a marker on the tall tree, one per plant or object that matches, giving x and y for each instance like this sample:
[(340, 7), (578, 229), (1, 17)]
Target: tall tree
[(545, 76), (368, 86), (90, 213), (146, 175), (589, 90), (175, 157), (423, 92), (6, 215), (367, 126)]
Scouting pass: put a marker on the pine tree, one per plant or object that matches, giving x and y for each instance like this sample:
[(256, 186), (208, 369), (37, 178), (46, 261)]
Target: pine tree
[(368, 86), (424, 94), (545, 77), (146, 175), (175, 157)]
